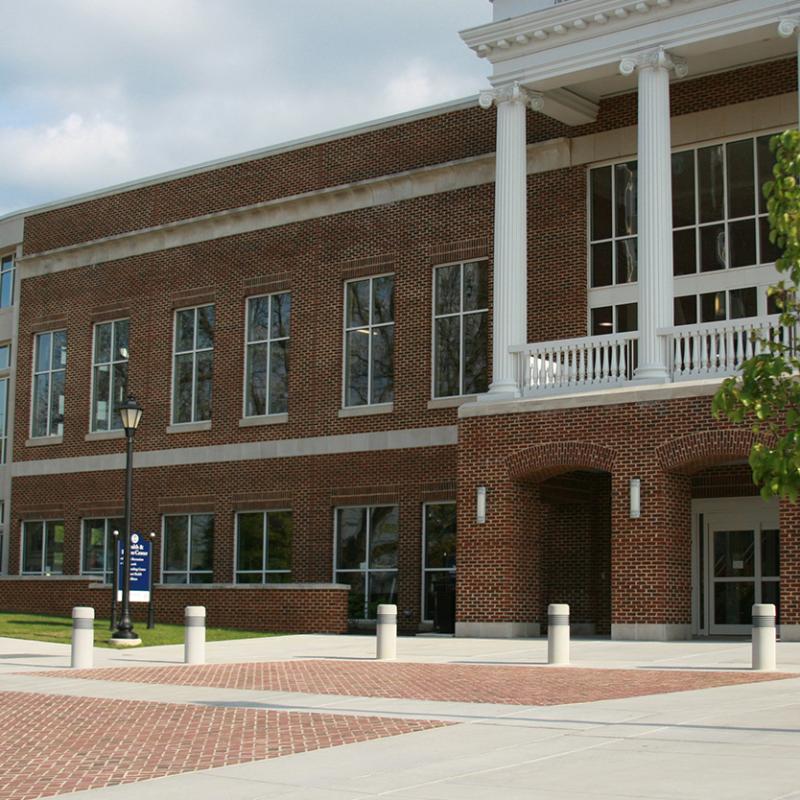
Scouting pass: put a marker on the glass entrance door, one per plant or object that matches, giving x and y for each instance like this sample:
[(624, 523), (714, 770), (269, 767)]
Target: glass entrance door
[(743, 567)]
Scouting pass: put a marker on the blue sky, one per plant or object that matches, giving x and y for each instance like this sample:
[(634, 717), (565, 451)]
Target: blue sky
[(95, 92)]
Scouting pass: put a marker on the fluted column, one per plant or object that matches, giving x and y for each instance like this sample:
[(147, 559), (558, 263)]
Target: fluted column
[(787, 27), (510, 296), (655, 206)]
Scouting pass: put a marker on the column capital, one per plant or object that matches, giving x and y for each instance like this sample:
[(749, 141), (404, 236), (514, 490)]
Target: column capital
[(788, 26), (657, 58), (513, 93)]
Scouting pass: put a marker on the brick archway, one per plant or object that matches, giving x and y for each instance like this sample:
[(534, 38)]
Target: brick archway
[(694, 452), (542, 461)]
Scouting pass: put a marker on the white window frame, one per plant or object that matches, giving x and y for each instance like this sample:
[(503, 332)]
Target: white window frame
[(370, 326), (460, 314), (111, 364), (5, 375), (194, 352), (264, 571), (45, 523), (5, 260), (49, 371), (268, 341), (426, 570), (107, 531), (188, 572)]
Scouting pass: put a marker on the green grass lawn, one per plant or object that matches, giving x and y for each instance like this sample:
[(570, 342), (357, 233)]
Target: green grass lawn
[(44, 628)]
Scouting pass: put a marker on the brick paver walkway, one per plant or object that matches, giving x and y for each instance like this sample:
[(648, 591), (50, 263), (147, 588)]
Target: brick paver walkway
[(54, 745), (516, 685)]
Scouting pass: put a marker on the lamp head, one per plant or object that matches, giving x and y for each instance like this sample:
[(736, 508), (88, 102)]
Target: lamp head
[(131, 413)]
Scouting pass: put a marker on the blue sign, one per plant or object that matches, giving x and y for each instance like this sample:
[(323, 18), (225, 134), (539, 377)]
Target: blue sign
[(141, 564)]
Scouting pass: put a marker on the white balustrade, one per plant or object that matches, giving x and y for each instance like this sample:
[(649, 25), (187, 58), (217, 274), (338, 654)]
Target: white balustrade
[(719, 348), (576, 364)]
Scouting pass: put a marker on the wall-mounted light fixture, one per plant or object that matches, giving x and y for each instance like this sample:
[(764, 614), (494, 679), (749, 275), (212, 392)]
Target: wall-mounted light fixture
[(480, 505), (636, 498)]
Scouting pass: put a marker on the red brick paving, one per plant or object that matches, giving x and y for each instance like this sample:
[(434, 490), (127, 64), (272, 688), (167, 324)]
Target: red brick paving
[(473, 683), (54, 745)]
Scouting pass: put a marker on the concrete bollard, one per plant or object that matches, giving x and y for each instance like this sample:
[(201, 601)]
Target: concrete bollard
[(194, 635), (763, 636), (386, 630), (82, 656), (558, 633)]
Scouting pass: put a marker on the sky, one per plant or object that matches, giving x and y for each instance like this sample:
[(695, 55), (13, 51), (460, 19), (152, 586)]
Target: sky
[(97, 92)]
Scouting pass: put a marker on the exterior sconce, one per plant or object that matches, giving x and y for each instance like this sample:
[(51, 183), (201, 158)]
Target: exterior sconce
[(480, 505), (636, 498)]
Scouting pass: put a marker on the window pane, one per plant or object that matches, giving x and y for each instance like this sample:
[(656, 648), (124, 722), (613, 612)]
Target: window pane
[(711, 181), (57, 402), (357, 303), (743, 303), (43, 341), (382, 589), (769, 251), (59, 350), (202, 541), (447, 349), (684, 252), (383, 537), (101, 418), (600, 183), (41, 391), (712, 307), (770, 554), (351, 551), (281, 311), (712, 248), (5, 356), (205, 374), (94, 533), (766, 162), (278, 377), (685, 310), (741, 178), (184, 330), (257, 319), (176, 538), (602, 273), (733, 602), (6, 289), (184, 369), (602, 321), (250, 541), (742, 242), (382, 364), (448, 289), (121, 329), (205, 327), (356, 599), (683, 189), (249, 577), (54, 548), (734, 554), (440, 535), (627, 318), (476, 292), (357, 367), (33, 544), (383, 299), (279, 527), (256, 391), (476, 379), (102, 343), (626, 261), (625, 188), (119, 393)]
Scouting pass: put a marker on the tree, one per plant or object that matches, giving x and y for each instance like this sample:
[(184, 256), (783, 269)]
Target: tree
[(766, 393)]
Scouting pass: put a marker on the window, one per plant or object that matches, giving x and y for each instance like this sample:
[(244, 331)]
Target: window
[(614, 319), (49, 372), (43, 547), (716, 306), (110, 373), (366, 557), (194, 364), (439, 550), (5, 363), (263, 547), (267, 390), (98, 546), (369, 341), (188, 548), (6, 281), (460, 332)]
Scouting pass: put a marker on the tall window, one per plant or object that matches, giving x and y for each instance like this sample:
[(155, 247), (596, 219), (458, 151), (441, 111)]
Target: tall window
[(188, 548), (43, 547), (6, 281), (110, 373), (5, 363), (369, 341), (194, 364), (366, 556), (263, 547), (49, 373), (98, 546), (460, 332), (267, 389), (439, 538)]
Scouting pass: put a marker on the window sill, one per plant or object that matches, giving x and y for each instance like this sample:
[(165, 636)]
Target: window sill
[(43, 441), (451, 402), (190, 427), (271, 419), (100, 436), (366, 411)]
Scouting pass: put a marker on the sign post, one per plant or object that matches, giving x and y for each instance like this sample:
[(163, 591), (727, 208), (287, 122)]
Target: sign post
[(151, 609), (115, 560)]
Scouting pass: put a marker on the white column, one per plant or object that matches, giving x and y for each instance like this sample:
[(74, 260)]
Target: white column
[(655, 206), (510, 296), (790, 26)]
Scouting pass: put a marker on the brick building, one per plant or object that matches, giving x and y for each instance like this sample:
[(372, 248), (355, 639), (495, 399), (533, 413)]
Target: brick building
[(369, 356)]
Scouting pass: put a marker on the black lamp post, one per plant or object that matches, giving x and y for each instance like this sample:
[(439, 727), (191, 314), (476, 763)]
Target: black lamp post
[(131, 413)]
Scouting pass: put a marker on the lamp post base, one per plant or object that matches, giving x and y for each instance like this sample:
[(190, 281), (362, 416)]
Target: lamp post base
[(135, 642)]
